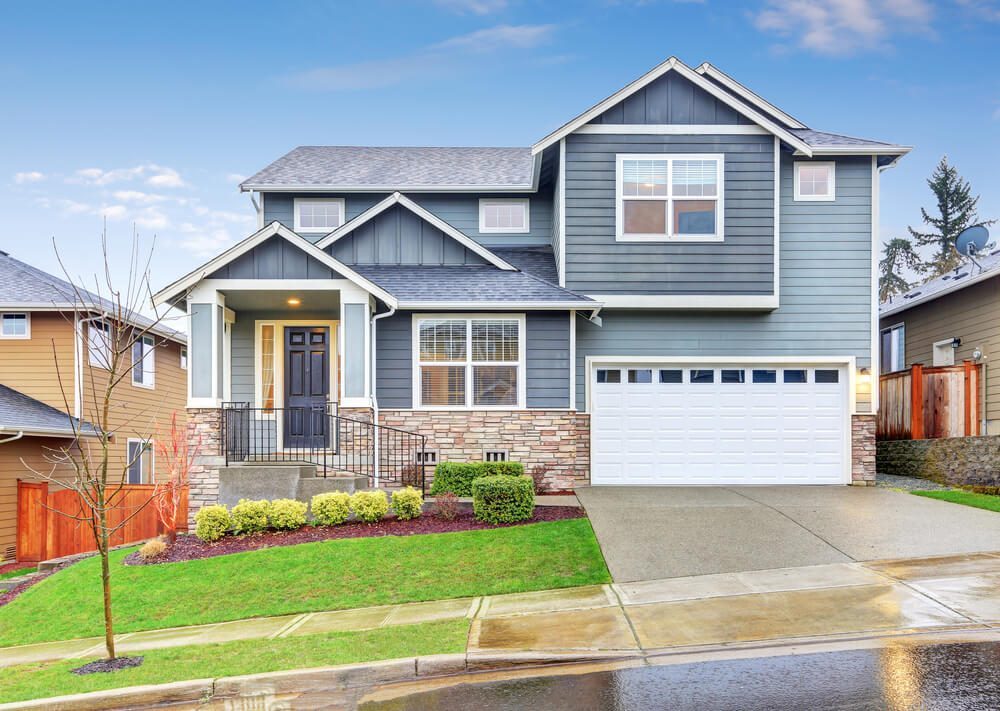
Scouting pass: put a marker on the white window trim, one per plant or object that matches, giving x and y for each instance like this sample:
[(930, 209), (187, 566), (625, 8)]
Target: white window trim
[(901, 341), (183, 357), (468, 363), (720, 228), (829, 197), (298, 202), (150, 449), (484, 202), (149, 355), (940, 346), (93, 326), (27, 325)]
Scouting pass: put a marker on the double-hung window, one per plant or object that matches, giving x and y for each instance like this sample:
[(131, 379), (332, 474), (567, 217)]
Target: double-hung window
[(892, 342), (144, 362), (99, 344), (15, 325), (318, 214), (670, 197), (469, 362), (140, 461)]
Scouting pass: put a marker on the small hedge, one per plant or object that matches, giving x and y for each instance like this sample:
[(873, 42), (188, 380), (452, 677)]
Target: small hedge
[(212, 522), (331, 508), (250, 516), (408, 503), (503, 498), (457, 477), (286, 514), (369, 506)]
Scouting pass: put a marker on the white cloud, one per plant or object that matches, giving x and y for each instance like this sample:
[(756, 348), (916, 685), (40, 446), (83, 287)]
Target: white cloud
[(497, 38), (476, 7), (165, 178), (151, 218), (114, 212), (235, 178), (155, 175), (206, 242), (32, 176), (137, 196), (842, 27)]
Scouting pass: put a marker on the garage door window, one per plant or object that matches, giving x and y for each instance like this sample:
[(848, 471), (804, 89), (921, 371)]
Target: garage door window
[(605, 375), (827, 376), (765, 376), (643, 375), (702, 376), (795, 376), (733, 376), (671, 376)]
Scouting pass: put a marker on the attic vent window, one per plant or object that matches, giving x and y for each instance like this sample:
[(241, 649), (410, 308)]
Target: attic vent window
[(495, 455), (427, 457), (504, 215), (318, 214)]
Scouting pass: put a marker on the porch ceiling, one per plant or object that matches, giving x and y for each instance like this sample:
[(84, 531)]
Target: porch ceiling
[(310, 300)]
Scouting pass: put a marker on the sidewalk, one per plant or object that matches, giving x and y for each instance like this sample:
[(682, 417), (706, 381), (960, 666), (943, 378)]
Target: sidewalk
[(835, 599)]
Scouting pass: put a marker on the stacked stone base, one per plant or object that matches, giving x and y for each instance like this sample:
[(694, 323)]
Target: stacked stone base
[(863, 450)]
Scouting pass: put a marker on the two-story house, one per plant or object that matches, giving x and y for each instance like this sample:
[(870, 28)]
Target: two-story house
[(54, 353), (674, 287)]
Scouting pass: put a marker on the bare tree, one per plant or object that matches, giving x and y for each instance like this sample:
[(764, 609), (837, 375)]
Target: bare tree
[(176, 456)]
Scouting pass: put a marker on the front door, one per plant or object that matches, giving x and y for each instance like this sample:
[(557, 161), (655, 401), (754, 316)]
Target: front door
[(307, 386)]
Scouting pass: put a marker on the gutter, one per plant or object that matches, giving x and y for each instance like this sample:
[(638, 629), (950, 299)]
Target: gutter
[(13, 438)]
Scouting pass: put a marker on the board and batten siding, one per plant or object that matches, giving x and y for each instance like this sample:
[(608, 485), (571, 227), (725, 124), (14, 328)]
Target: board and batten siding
[(971, 314), (461, 211), (596, 263), (671, 99), (825, 293), (546, 368), (275, 258)]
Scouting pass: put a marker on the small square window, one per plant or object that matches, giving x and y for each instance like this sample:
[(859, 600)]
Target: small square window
[(609, 376), (318, 214), (643, 375), (15, 325), (827, 376), (765, 376), (733, 376), (702, 376), (504, 215), (795, 376), (671, 376), (815, 180), (495, 455)]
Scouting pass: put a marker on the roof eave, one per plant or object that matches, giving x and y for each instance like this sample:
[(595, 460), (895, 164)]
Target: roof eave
[(899, 151), (502, 305), (417, 188), (958, 286)]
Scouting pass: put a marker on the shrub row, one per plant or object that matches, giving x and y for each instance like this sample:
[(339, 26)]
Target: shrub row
[(502, 498), (457, 477)]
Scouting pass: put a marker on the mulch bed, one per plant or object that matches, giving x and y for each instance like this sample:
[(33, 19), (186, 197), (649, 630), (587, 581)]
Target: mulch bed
[(8, 596), (8, 567), (191, 548), (108, 665)]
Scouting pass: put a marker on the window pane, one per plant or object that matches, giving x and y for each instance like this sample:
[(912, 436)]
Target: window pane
[(695, 178), (733, 376), (267, 366), (609, 376), (15, 324), (319, 215), (442, 340), (795, 376), (694, 217), (494, 385), (671, 376), (645, 217), (765, 376), (644, 177), (442, 385), (640, 376), (494, 340), (505, 215), (702, 376), (827, 376), (137, 369)]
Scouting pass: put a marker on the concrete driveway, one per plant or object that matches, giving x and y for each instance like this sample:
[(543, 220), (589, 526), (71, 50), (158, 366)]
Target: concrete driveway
[(649, 533)]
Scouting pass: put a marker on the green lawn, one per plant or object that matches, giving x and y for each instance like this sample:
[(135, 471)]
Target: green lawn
[(17, 573), (328, 575), (31, 681), (966, 498)]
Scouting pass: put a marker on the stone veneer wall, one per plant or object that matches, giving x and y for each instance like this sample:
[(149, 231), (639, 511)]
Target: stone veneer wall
[(558, 440), (958, 461), (863, 450), (204, 427)]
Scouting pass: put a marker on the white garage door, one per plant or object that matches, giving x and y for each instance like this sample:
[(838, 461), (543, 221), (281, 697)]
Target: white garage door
[(718, 424)]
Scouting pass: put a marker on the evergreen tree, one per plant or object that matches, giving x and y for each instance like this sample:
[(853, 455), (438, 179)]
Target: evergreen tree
[(957, 210), (898, 254)]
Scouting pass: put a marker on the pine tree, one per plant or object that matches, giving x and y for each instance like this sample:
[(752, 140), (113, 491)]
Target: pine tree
[(957, 210), (897, 255)]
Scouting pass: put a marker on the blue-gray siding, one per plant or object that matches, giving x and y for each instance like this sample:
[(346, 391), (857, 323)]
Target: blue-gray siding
[(671, 99), (459, 210), (598, 264), (275, 258), (825, 293), (399, 236), (200, 352)]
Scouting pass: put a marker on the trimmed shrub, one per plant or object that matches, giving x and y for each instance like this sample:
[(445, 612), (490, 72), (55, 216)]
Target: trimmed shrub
[(407, 503), (212, 522), (331, 508), (250, 516), (446, 506), (369, 506), (503, 498), (457, 477), (286, 514), (152, 548)]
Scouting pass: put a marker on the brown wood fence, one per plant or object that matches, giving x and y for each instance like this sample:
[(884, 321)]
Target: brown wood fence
[(44, 533), (929, 402)]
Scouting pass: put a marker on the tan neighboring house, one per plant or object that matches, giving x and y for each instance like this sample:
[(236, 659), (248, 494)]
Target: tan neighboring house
[(50, 370), (950, 319)]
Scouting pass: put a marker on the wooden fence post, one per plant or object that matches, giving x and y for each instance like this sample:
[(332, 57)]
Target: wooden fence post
[(970, 416), (917, 401)]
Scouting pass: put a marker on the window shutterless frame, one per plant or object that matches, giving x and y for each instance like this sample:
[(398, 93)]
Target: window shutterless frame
[(670, 199), (15, 325), (523, 203), (831, 186), (144, 363), (299, 203)]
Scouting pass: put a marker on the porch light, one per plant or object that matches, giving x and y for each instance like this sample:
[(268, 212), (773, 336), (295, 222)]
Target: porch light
[(864, 376), (294, 301)]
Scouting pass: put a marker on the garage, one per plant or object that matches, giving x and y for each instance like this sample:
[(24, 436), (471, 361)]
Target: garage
[(719, 424)]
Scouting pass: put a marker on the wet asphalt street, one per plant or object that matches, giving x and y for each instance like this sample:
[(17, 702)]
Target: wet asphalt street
[(902, 676)]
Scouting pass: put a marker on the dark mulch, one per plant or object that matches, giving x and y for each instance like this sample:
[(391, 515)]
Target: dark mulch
[(8, 567), (108, 665), (191, 548)]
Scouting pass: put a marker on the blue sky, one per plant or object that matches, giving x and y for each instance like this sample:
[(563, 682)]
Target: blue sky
[(149, 114)]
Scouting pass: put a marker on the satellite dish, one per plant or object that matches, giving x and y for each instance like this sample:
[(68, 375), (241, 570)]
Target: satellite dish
[(972, 240)]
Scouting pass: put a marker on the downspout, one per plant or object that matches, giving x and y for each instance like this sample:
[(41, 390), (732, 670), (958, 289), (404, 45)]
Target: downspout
[(13, 438), (374, 385)]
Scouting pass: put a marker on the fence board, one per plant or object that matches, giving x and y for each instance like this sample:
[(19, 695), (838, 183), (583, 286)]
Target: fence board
[(929, 402)]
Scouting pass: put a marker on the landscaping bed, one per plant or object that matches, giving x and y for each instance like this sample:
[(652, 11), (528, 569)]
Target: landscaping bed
[(192, 548)]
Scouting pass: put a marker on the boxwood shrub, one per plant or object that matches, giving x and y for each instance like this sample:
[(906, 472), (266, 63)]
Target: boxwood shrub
[(407, 503), (457, 477), (369, 506), (286, 514), (331, 508), (250, 516), (503, 498), (212, 522)]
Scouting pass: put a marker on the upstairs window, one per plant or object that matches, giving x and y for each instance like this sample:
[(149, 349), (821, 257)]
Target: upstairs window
[(508, 215), (892, 347), (15, 325), (144, 362), (815, 180), (99, 344), (318, 214), (184, 358), (670, 197)]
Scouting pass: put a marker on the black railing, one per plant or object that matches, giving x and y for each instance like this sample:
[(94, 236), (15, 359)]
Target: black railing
[(320, 436)]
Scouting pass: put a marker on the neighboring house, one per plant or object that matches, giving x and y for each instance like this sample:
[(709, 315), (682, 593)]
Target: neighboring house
[(674, 287), (946, 321), (51, 356)]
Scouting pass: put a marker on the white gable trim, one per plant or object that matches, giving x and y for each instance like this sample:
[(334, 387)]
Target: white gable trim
[(400, 199), (673, 64), (748, 95), (275, 228)]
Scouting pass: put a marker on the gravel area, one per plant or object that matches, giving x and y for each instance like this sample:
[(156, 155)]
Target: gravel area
[(909, 483)]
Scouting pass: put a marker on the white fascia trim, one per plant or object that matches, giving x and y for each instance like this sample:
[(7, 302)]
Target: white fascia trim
[(674, 129), (874, 359), (747, 94), (561, 196), (416, 188), (673, 64), (777, 217), (275, 228), (910, 303), (857, 151), (686, 301), (41, 432), (495, 305), (399, 198)]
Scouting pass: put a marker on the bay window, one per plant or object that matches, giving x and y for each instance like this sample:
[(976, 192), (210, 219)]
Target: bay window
[(469, 362)]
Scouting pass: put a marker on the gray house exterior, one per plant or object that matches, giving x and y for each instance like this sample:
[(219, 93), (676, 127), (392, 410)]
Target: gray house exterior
[(675, 287)]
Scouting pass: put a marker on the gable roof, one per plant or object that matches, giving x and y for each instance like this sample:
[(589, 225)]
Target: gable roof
[(380, 168), (675, 65), (956, 280), (180, 286), (20, 413), (400, 199), (741, 91)]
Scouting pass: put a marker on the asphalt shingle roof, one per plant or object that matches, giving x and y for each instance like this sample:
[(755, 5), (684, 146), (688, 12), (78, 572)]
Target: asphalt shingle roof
[(952, 281), (823, 139), (539, 261), (388, 167), (20, 412)]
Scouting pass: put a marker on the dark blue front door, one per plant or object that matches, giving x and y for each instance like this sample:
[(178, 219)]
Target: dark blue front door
[(307, 386)]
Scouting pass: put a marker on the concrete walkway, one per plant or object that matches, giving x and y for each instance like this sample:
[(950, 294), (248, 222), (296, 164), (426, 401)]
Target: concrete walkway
[(606, 620)]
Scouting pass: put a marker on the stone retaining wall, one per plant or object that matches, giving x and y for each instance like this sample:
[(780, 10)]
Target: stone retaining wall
[(204, 427), (958, 461)]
